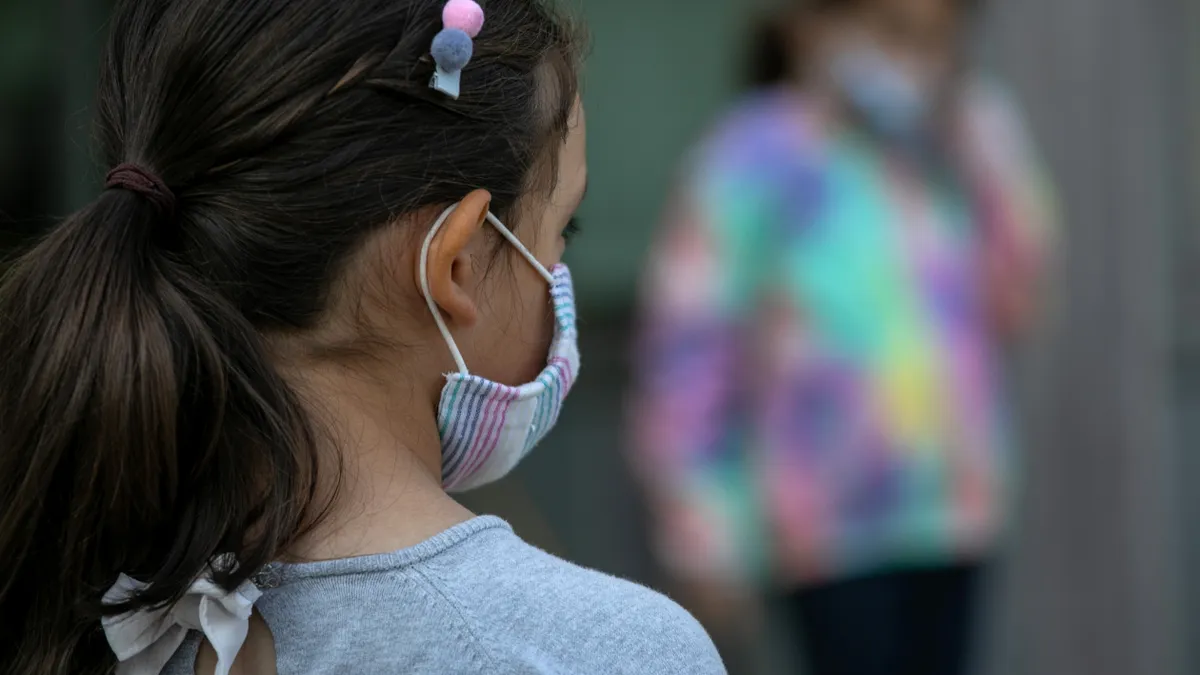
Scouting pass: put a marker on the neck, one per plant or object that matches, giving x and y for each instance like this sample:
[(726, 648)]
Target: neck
[(381, 465)]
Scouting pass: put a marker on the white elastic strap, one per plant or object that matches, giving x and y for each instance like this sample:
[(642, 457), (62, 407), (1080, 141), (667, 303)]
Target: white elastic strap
[(512, 239), (433, 308)]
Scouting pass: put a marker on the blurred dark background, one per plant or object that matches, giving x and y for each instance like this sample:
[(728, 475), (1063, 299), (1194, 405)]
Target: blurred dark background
[(1102, 576)]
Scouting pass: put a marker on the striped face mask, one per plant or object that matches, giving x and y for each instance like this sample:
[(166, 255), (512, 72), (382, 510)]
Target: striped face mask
[(486, 427)]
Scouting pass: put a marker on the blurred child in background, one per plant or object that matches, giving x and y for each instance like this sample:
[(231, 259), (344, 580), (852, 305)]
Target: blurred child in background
[(819, 411)]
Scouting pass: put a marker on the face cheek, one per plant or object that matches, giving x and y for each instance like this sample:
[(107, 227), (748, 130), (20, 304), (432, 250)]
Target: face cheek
[(538, 319), (548, 250), (535, 317), (513, 337)]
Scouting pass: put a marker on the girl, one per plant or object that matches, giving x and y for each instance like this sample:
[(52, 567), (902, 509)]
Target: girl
[(226, 423), (820, 411)]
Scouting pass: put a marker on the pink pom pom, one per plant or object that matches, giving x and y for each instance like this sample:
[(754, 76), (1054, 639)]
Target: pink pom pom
[(465, 15)]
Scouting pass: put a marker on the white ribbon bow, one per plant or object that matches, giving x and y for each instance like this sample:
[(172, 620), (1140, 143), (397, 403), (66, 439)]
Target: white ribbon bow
[(145, 640)]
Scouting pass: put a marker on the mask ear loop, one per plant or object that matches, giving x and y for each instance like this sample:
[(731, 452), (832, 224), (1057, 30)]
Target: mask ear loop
[(433, 308), (512, 239)]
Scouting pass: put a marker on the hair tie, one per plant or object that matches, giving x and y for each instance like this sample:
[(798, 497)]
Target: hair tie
[(453, 47), (136, 179), (145, 640)]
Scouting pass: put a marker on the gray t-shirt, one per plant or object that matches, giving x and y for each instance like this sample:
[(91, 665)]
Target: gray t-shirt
[(474, 599)]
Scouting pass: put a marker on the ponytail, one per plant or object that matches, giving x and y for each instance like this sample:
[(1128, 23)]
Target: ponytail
[(142, 431)]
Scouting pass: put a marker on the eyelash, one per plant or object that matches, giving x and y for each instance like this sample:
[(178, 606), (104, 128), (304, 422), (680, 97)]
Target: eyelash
[(572, 229)]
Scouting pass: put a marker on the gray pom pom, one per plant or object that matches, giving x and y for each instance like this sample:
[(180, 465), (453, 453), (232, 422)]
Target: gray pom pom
[(452, 49)]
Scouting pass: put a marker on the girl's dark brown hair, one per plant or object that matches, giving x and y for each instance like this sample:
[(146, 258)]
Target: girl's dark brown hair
[(142, 428)]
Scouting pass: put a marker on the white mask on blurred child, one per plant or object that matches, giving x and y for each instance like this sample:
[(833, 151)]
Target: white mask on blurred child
[(892, 100)]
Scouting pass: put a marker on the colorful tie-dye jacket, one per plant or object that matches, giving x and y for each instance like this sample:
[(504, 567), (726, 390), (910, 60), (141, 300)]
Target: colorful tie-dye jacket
[(818, 393)]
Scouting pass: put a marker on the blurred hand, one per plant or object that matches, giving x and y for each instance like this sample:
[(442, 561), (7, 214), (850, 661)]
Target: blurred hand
[(1011, 300)]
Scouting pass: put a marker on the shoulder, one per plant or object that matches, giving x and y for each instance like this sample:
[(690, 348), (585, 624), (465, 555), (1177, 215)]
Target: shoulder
[(766, 114), (527, 605), (474, 599), (766, 133)]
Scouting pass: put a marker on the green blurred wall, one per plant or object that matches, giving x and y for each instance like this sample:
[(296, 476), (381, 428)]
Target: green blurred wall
[(657, 74)]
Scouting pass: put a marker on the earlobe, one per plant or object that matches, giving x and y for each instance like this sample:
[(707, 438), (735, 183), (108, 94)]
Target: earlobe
[(450, 265)]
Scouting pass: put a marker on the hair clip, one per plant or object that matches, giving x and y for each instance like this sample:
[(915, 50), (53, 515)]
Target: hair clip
[(453, 47)]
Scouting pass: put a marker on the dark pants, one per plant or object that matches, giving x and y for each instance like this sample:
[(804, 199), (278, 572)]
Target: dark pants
[(904, 623)]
